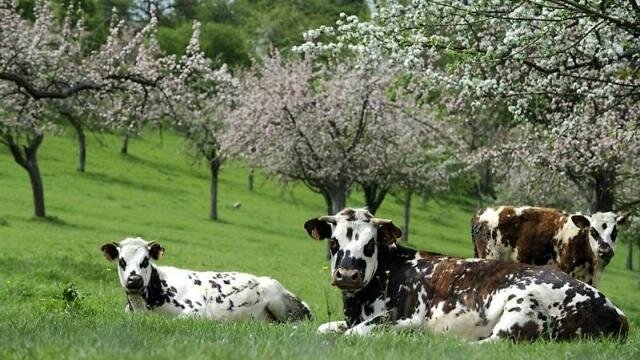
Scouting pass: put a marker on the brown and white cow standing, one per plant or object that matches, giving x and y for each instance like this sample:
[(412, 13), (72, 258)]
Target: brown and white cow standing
[(579, 245), (385, 284)]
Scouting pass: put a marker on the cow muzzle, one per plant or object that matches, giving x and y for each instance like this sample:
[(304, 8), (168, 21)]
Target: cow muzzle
[(347, 279), (134, 284), (605, 253)]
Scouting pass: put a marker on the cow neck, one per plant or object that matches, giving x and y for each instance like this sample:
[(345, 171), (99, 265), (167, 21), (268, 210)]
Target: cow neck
[(389, 262), (152, 296), (578, 251)]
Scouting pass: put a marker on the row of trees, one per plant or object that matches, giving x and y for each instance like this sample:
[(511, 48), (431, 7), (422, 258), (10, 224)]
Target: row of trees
[(536, 101), (49, 74), (332, 122)]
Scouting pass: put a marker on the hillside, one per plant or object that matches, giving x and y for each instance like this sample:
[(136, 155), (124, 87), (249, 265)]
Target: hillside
[(159, 193)]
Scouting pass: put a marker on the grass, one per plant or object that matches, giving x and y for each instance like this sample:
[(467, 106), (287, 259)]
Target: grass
[(59, 298)]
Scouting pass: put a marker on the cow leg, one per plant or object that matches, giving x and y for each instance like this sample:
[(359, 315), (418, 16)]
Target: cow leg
[(282, 305), (520, 320), (366, 327), (333, 327)]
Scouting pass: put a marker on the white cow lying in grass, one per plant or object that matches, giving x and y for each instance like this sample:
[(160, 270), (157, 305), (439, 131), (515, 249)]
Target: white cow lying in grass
[(213, 295)]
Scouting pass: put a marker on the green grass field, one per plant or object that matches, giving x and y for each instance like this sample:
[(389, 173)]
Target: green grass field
[(59, 298)]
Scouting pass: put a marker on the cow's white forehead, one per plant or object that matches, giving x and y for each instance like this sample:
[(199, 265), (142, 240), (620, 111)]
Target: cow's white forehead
[(358, 220), (129, 247), (135, 242), (600, 218), (360, 214)]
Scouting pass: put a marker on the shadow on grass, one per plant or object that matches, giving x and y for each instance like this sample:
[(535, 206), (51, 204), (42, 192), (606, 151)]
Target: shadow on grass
[(162, 168), (58, 222), (109, 179)]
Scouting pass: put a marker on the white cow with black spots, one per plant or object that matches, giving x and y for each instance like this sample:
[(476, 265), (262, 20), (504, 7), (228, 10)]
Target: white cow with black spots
[(208, 294)]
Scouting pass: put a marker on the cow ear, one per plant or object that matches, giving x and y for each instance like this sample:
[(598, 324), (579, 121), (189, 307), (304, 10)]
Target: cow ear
[(388, 233), (319, 228), (110, 251), (580, 221), (155, 250), (622, 218)]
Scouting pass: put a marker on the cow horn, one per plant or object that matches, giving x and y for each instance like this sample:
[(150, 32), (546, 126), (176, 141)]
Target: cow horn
[(377, 221), (328, 218)]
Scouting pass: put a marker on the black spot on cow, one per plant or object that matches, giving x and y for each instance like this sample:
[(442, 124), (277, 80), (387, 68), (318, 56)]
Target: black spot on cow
[(369, 248), (510, 297), (519, 301), (230, 308), (153, 295), (227, 282), (515, 308), (349, 233), (197, 282), (122, 263), (218, 299)]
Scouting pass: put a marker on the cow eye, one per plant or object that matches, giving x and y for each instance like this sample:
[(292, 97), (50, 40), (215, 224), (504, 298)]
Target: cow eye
[(614, 234), (122, 263), (145, 262), (334, 246)]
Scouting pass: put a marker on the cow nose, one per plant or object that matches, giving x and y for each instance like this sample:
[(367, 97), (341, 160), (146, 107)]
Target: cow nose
[(347, 278), (606, 253), (134, 282)]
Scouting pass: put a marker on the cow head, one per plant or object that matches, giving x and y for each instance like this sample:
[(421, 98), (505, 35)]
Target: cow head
[(133, 255), (355, 239), (602, 231)]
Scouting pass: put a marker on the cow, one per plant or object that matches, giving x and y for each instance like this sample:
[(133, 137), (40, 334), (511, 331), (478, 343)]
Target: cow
[(579, 245), (210, 295), (384, 284)]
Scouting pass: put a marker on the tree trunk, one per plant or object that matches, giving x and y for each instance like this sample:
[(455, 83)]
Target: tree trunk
[(407, 215), (630, 254), (603, 192), (373, 195), (483, 187), (27, 158), (250, 179), (336, 200), (214, 165), (82, 149), (125, 145), (82, 142), (338, 197)]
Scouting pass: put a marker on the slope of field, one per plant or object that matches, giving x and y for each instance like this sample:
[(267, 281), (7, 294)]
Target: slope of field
[(59, 298)]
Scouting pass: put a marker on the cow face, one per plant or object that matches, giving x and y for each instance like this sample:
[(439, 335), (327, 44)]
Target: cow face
[(602, 227), (355, 239), (133, 255)]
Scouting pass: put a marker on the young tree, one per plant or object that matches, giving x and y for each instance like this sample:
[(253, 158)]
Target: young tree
[(203, 99)]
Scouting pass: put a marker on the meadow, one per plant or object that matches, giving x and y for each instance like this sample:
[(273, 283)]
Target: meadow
[(59, 298)]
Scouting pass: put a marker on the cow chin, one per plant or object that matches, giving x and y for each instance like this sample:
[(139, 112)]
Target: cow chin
[(134, 291)]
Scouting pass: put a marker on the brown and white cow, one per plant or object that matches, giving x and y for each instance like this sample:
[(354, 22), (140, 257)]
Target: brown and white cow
[(579, 245), (385, 284)]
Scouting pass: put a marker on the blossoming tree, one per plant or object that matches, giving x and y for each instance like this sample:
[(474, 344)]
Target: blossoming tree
[(43, 62), (565, 70)]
